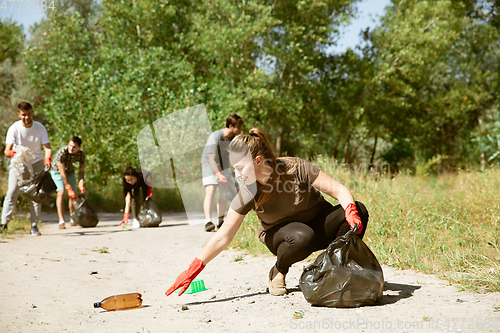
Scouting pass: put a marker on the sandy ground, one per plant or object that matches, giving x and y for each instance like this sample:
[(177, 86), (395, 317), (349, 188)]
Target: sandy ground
[(49, 284)]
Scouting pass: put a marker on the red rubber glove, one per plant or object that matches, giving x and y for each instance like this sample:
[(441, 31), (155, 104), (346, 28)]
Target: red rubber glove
[(80, 186), (125, 219), (220, 177), (150, 191), (71, 193), (352, 217), (184, 280), (12, 153), (47, 161)]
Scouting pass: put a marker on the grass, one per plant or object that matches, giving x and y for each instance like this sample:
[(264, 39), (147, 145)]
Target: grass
[(103, 198), (110, 198), (102, 250), (448, 225), (246, 238), (17, 226)]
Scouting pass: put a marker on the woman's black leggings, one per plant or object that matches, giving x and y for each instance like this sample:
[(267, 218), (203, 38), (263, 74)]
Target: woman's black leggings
[(292, 242)]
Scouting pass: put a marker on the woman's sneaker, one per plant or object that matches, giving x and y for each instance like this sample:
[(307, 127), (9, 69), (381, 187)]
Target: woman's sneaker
[(35, 231)]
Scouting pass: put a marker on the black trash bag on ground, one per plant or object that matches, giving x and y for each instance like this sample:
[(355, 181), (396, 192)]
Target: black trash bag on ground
[(40, 189), (346, 274), (84, 214), (150, 215)]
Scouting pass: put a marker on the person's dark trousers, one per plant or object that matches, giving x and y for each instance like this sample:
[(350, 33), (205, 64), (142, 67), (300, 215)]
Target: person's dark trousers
[(292, 242)]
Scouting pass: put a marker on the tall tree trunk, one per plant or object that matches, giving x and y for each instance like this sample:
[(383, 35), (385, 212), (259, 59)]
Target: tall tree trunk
[(346, 149), (482, 158), (483, 162), (374, 150), (345, 122), (351, 157), (279, 140)]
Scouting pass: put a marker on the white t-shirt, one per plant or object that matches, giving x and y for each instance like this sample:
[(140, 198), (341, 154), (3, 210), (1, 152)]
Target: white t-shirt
[(32, 137)]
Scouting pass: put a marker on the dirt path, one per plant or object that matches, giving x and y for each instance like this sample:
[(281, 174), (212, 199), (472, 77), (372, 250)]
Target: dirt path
[(49, 284)]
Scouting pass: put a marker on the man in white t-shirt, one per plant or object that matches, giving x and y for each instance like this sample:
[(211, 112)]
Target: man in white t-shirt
[(31, 134)]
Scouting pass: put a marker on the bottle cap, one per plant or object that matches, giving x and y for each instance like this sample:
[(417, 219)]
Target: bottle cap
[(96, 305)]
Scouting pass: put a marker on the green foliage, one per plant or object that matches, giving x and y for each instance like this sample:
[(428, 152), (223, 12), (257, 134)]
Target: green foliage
[(221, 43), (488, 140), (342, 121), (108, 106), (13, 84), (105, 71), (424, 85), (109, 198), (294, 52), (434, 78), (103, 93), (12, 38)]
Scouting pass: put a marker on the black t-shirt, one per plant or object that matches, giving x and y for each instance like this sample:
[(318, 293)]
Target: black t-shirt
[(140, 183)]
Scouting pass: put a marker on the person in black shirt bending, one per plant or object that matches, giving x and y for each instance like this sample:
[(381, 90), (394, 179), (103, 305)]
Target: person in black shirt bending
[(133, 181)]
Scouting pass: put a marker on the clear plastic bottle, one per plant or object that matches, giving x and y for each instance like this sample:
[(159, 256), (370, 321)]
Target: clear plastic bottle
[(120, 302)]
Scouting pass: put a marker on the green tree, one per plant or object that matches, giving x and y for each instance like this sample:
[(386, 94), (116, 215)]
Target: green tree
[(294, 49), (14, 87), (343, 124), (223, 47), (102, 90), (436, 74), (12, 38)]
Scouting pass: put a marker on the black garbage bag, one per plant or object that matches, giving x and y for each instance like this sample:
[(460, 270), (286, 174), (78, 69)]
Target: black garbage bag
[(40, 189), (84, 214), (229, 190), (346, 274), (150, 215)]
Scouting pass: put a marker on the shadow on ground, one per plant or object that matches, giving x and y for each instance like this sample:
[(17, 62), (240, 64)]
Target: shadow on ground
[(227, 298), (394, 292)]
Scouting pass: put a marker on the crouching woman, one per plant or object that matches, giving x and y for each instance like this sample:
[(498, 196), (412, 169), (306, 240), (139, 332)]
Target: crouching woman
[(295, 218)]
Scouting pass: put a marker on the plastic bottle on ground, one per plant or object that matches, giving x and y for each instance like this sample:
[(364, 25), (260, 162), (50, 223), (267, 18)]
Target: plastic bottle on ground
[(120, 302)]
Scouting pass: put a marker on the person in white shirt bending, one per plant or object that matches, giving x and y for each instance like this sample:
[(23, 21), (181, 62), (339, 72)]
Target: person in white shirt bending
[(31, 134)]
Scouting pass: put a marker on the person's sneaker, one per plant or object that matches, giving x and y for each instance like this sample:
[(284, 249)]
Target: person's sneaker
[(209, 226), (35, 231), (220, 224), (4, 227), (73, 224), (136, 223), (62, 226)]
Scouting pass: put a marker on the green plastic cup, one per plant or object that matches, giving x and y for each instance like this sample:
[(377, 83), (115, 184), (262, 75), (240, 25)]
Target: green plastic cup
[(196, 286)]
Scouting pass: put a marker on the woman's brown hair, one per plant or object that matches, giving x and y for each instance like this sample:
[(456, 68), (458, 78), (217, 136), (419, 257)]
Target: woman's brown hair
[(257, 143), (129, 171)]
